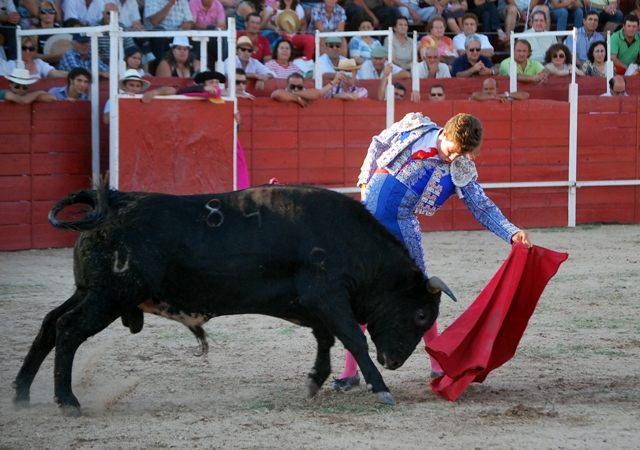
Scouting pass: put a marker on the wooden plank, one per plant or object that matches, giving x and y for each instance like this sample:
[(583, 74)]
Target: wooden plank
[(15, 237), (62, 163), (56, 187), (15, 188), (15, 213), (15, 164)]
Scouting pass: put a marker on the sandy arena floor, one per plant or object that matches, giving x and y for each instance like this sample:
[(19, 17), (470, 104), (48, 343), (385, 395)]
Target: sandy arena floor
[(574, 383)]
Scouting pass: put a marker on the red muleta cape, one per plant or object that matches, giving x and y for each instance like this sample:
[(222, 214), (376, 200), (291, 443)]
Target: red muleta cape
[(487, 334)]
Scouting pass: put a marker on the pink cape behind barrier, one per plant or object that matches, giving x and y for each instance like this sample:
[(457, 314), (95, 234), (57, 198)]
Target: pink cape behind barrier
[(487, 334)]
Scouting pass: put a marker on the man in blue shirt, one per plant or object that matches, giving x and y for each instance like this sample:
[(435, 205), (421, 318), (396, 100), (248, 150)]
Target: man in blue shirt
[(80, 56), (586, 35), (472, 63), (76, 88)]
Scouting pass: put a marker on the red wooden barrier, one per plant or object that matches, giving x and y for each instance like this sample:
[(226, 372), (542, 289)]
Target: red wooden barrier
[(45, 153)]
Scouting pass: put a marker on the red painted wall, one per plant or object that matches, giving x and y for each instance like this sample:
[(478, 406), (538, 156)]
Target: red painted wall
[(45, 152)]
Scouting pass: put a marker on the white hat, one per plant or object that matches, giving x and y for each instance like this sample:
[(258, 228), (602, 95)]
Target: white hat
[(132, 75), (182, 41), (20, 76)]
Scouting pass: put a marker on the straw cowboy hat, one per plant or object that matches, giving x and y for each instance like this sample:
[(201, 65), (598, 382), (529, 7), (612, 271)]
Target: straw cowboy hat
[(244, 41), (347, 64), (288, 21), (20, 76), (132, 75), (58, 43)]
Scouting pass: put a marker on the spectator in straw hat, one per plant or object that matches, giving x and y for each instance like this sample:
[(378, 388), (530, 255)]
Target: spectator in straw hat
[(373, 69), (131, 84), (289, 23), (332, 58), (348, 89), (296, 92), (252, 67), (19, 82)]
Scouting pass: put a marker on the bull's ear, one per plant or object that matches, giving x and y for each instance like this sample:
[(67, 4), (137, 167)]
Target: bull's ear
[(435, 285)]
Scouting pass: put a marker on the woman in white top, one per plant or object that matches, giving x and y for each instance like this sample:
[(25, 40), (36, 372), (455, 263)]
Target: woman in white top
[(37, 68)]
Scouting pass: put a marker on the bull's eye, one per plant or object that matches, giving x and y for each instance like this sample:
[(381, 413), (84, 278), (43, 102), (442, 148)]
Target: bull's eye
[(421, 318)]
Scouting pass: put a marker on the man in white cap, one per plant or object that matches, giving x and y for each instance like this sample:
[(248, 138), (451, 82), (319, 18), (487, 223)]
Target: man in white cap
[(373, 69), (332, 58), (348, 89), (19, 83), (131, 84), (251, 66)]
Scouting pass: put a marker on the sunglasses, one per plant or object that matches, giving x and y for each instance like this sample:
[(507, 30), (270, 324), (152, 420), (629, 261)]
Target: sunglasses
[(474, 50), (558, 55), (245, 49), (334, 45), (23, 87), (294, 87), (436, 94), (241, 82), (28, 49), (47, 11)]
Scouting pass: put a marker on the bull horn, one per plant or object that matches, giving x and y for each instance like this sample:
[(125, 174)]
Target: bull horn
[(435, 285)]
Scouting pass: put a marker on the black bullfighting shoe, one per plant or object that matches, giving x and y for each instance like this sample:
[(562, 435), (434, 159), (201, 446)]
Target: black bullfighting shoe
[(344, 384)]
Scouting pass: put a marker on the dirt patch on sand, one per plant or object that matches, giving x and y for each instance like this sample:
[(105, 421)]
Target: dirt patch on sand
[(574, 382)]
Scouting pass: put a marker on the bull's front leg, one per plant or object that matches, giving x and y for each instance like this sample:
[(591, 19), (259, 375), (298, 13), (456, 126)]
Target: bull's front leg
[(322, 367), (331, 305)]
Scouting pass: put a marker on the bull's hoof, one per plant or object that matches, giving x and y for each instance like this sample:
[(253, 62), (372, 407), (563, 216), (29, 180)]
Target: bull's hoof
[(312, 387), (70, 411), (21, 402), (385, 398)]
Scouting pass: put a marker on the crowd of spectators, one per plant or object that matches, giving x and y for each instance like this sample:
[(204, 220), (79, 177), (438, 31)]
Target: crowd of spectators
[(276, 40)]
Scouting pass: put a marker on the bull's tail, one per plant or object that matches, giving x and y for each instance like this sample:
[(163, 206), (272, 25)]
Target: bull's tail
[(96, 216)]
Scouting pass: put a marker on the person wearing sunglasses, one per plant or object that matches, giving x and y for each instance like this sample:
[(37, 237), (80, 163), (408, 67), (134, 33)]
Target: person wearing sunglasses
[(617, 87), (472, 63), (490, 92), (19, 82), (296, 92), (37, 68), (557, 61), (251, 66), (414, 167), (47, 20), (332, 58), (241, 85), (328, 16), (436, 93)]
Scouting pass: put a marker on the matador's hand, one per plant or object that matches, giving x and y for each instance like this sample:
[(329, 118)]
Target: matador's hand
[(522, 236)]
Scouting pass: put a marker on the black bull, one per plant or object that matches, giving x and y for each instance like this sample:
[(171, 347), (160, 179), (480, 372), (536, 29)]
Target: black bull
[(313, 257)]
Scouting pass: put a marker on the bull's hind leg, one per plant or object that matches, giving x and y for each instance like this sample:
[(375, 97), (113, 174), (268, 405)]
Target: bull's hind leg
[(42, 345), (89, 318), (322, 367)]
